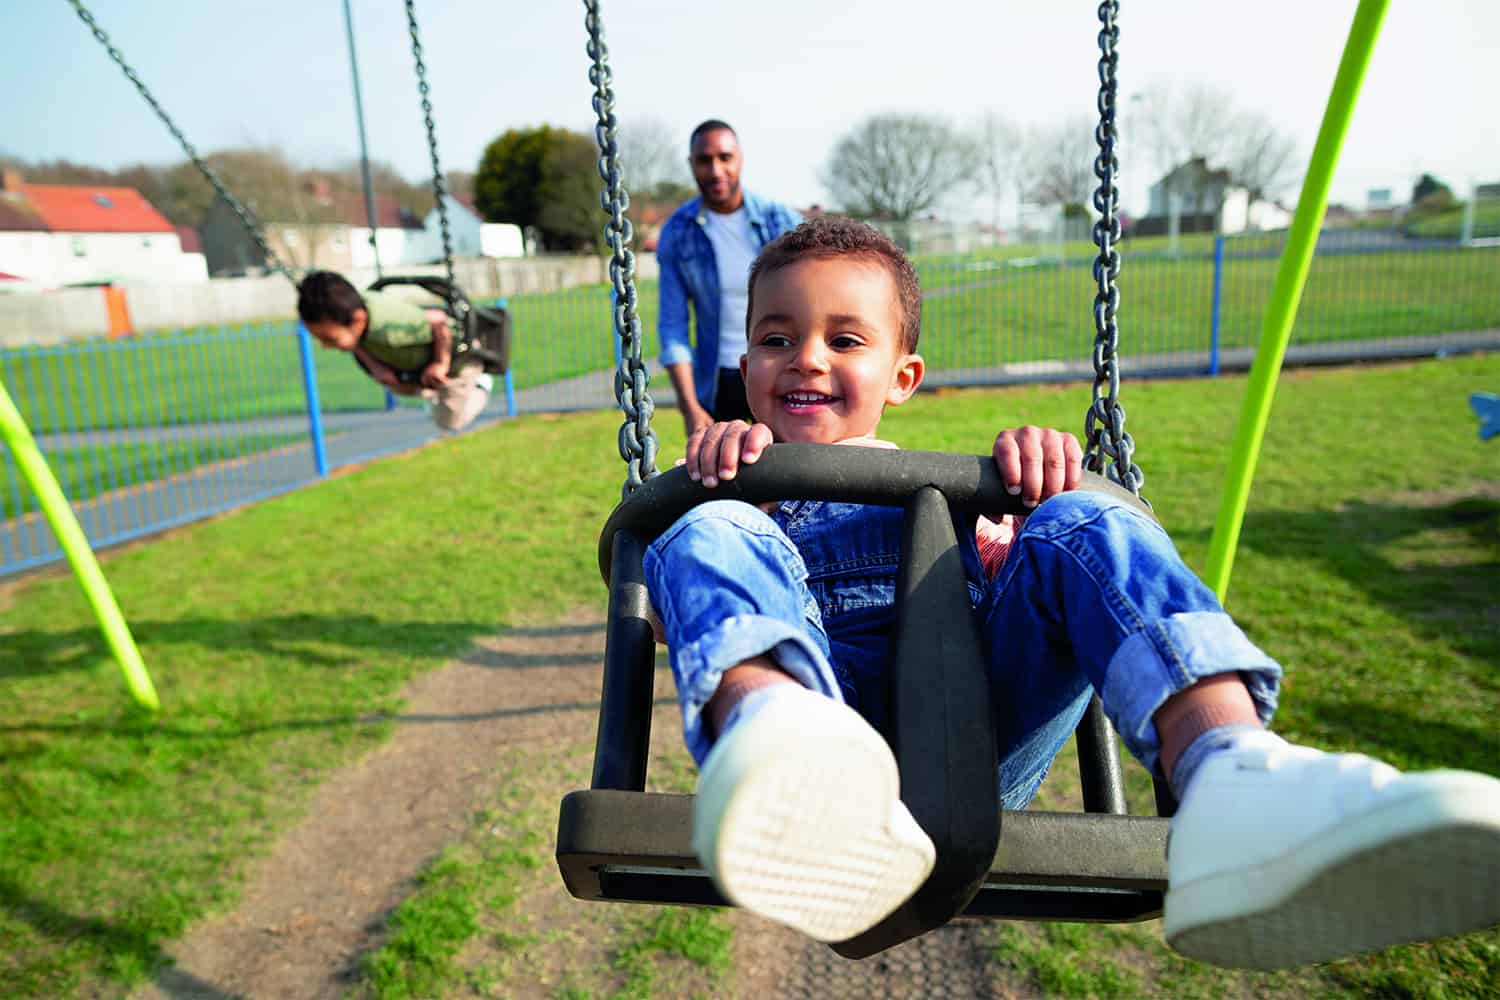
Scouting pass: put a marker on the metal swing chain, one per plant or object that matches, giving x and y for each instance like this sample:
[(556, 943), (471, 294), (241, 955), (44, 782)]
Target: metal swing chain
[(439, 185), (1104, 427), (637, 439), (251, 223)]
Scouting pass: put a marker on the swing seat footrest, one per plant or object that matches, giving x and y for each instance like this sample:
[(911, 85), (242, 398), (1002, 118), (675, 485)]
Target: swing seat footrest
[(1094, 867)]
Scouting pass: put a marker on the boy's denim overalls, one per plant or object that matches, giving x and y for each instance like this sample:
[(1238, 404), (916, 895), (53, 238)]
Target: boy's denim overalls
[(1093, 596)]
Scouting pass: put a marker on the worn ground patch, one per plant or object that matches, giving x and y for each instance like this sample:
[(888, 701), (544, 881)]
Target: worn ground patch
[(486, 747)]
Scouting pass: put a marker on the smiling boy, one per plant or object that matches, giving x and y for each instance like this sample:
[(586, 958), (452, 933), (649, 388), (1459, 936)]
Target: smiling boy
[(778, 625)]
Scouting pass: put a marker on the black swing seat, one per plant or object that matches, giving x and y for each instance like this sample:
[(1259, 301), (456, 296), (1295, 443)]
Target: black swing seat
[(480, 333), (616, 842)]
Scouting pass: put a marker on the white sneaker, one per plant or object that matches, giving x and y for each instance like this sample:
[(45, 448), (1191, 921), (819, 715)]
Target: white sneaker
[(485, 381), (798, 818), (1282, 856)]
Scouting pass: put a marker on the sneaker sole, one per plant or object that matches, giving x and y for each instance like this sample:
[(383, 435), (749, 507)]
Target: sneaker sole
[(810, 830), (1422, 868)]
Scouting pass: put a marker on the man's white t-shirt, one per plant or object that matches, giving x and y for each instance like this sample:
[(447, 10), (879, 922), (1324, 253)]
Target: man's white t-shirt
[(734, 251)]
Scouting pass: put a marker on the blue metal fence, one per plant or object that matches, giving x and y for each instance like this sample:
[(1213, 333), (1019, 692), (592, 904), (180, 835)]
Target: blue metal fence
[(150, 432)]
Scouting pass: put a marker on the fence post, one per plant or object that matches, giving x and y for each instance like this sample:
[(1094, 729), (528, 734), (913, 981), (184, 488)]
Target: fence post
[(390, 401), (1213, 344), (510, 385), (1466, 232), (314, 409), (619, 347)]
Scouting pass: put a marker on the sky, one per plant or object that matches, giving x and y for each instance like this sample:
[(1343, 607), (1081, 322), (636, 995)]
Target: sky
[(790, 75)]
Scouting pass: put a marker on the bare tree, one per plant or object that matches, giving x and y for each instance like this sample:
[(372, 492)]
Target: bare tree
[(1004, 159), (1259, 158), (897, 166), (1183, 125), (1196, 136), (653, 155), (1063, 166)]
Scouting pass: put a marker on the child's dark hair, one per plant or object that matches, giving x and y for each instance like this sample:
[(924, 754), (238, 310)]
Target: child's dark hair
[(323, 296), (830, 236)]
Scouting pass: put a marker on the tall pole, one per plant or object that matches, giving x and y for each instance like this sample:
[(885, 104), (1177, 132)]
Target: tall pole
[(364, 151), (1291, 275)]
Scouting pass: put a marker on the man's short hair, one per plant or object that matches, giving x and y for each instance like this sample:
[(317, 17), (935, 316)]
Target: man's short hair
[(323, 296), (712, 125), (830, 236)]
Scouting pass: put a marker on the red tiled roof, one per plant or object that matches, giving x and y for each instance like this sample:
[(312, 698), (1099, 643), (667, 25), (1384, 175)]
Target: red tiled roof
[(188, 237), (84, 209), (17, 216)]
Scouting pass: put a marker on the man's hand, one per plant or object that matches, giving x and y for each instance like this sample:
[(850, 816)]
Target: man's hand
[(435, 375), (695, 418), (1038, 463), (717, 451)]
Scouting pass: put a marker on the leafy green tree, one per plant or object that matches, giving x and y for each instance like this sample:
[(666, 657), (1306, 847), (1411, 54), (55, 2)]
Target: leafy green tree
[(570, 217), (544, 179), (505, 186), (1426, 186)]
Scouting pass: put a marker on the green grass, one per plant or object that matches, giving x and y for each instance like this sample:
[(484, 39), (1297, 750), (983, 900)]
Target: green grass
[(275, 634), (468, 889), (1449, 225), (1042, 312)]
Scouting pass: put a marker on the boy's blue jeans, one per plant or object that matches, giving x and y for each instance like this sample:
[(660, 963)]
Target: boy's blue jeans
[(1092, 597)]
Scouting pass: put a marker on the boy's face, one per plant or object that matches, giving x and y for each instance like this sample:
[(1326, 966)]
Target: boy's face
[(339, 336), (825, 357)]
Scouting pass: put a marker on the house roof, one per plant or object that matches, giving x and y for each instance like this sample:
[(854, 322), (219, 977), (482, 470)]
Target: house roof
[(66, 208), (18, 216), (349, 206)]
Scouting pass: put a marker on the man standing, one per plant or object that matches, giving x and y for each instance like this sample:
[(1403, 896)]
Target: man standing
[(705, 252)]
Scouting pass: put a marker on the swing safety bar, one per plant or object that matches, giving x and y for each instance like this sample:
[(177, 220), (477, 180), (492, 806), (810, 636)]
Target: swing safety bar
[(616, 842)]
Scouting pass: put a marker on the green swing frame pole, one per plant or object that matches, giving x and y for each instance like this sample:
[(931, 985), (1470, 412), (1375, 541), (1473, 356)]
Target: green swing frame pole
[(1291, 276), (33, 465)]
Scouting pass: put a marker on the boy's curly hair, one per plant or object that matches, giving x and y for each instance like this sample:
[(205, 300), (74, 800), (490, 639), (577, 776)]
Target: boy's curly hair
[(830, 236), (324, 295)]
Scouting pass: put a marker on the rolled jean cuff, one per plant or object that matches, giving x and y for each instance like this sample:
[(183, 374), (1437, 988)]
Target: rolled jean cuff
[(700, 665), (1172, 655)]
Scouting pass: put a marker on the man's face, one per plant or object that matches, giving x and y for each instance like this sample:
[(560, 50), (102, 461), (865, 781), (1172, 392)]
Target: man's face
[(824, 356), (715, 159)]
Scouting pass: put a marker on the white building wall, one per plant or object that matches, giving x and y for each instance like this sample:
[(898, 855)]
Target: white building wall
[(117, 256), (397, 247), (30, 255), (501, 239)]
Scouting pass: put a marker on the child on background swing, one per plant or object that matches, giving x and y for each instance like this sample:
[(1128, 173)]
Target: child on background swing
[(778, 627), (388, 336)]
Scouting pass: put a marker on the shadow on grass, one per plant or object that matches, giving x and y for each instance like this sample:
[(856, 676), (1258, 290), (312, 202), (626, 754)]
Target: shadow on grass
[(1450, 593), (1418, 738), (126, 945), (306, 638)]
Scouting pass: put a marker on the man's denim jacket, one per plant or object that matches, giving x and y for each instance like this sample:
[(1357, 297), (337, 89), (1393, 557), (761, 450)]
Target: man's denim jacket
[(689, 270)]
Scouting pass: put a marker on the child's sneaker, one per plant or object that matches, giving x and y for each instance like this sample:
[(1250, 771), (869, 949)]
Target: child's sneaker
[(486, 381), (1282, 856), (798, 818)]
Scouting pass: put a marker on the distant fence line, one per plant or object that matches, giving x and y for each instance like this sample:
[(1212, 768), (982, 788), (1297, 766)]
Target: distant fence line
[(148, 432), (48, 318)]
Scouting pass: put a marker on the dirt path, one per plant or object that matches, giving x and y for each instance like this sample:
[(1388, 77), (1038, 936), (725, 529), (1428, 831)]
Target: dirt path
[(312, 908), (318, 902)]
